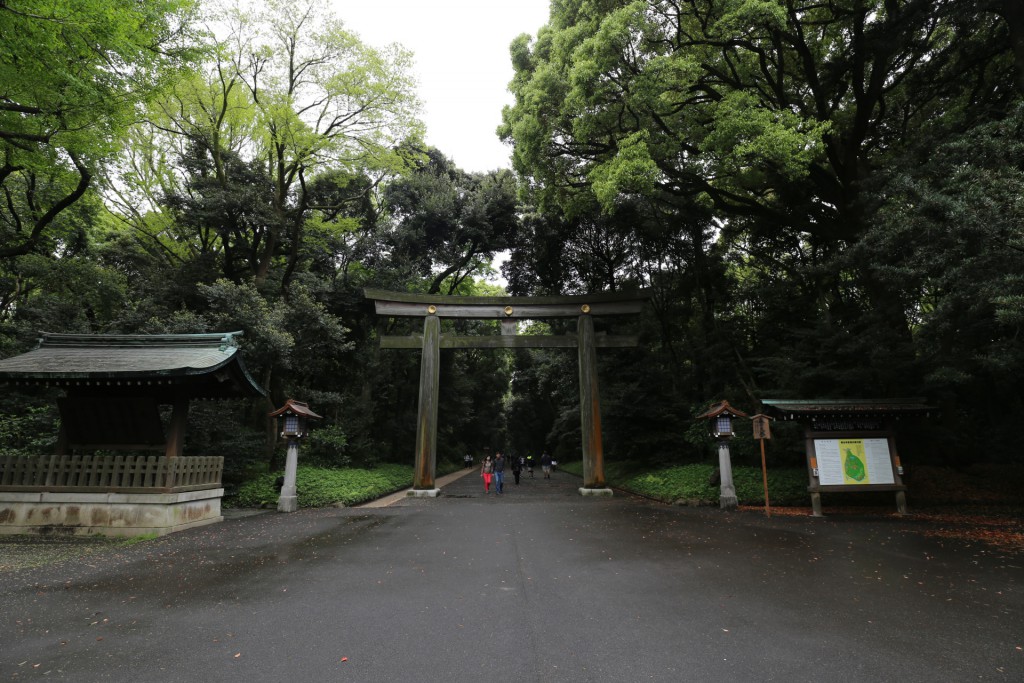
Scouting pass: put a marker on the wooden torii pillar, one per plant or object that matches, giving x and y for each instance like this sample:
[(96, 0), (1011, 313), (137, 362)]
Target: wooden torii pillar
[(508, 310)]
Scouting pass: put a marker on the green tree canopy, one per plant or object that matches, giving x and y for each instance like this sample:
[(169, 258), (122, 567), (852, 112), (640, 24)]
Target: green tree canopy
[(766, 150), (73, 76), (289, 97), (448, 224)]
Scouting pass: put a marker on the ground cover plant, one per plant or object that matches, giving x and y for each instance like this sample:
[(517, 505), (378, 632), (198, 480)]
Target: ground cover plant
[(692, 483), (319, 486), (977, 485)]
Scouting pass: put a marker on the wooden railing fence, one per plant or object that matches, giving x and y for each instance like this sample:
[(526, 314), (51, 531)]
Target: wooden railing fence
[(109, 473)]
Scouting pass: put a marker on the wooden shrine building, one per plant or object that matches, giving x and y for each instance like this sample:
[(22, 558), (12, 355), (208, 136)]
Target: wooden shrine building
[(509, 310), (122, 393), (850, 443)]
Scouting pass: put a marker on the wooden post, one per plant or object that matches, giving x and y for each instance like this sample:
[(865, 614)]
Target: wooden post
[(176, 431), (812, 474), (764, 475), (816, 504), (62, 440), (426, 424), (590, 407), (897, 469), (175, 438)]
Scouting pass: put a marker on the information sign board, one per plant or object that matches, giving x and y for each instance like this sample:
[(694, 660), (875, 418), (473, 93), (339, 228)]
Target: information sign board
[(853, 462)]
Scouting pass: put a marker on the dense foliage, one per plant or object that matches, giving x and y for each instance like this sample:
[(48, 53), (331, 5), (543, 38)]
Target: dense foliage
[(824, 199), (316, 487), (822, 196)]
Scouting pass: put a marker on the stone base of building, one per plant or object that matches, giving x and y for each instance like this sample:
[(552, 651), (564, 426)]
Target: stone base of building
[(107, 514)]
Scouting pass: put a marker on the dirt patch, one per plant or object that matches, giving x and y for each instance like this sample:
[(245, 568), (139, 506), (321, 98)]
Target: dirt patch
[(974, 485)]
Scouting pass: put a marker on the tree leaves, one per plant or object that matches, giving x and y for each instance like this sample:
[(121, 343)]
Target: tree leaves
[(73, 75)]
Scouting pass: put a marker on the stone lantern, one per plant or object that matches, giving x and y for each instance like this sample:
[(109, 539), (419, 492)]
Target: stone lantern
[(294, 417), (720, 418)]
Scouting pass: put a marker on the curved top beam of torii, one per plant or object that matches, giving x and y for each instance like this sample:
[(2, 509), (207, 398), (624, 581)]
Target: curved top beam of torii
[(506, 307)]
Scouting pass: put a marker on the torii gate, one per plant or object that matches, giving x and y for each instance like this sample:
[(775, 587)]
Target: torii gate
[(507, 309)]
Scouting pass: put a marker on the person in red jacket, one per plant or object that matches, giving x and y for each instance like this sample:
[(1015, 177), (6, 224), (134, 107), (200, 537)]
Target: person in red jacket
[(487, 472)]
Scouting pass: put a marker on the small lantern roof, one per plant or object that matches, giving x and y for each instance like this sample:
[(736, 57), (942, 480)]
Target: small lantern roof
[(293, 407), (720, 408)]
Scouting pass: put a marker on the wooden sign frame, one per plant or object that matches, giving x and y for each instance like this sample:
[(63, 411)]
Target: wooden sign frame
[(852, 442), (888, 478)]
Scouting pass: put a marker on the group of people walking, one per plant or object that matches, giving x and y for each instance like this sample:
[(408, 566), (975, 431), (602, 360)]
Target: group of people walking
[(493, 470)]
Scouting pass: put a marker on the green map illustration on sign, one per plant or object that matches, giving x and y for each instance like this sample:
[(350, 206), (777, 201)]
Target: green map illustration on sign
[(854, 467)]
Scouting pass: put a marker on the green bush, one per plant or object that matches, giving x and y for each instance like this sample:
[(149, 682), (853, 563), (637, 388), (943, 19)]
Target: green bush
[(688, 482), (786, 486), (27, 430), (318, 486), (327, 446)]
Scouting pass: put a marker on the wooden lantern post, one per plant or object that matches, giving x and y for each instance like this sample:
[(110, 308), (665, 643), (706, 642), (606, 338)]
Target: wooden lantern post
[(762, 431)]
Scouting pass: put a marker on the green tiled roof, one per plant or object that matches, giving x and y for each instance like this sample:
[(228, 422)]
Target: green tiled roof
[(208, 365)]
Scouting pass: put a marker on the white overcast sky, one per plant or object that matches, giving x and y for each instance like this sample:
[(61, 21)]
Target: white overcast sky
[(461, 62)]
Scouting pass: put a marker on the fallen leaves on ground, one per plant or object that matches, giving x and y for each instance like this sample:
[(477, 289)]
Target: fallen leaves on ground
[(1000, 528)]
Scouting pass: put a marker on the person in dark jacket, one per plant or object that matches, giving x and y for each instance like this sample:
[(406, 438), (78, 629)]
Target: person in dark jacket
[(517, 467), (545, 464), (499, 474)]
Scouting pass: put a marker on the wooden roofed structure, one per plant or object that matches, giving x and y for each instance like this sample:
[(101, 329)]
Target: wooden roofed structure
[(850, 443), (114, 384), (114, 387), (820, 409)]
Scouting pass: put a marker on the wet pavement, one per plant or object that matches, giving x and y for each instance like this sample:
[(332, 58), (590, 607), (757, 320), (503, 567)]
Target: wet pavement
[(539, 584)]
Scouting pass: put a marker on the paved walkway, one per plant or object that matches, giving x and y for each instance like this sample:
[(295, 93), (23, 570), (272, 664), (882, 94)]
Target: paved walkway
[(537, 585)]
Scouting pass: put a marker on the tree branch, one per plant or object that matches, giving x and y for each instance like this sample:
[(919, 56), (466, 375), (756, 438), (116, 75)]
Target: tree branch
[(44, 221)]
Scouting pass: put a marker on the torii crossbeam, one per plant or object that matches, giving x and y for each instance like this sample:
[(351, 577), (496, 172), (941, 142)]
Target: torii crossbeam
[(507, 309)]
